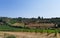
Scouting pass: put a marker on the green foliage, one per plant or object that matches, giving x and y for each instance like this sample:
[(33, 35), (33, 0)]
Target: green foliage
[(39, 17), (13, 21), (11, 36), (6, 27)]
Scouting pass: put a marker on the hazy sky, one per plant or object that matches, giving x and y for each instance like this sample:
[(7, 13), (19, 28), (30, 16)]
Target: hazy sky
[(30, 8)]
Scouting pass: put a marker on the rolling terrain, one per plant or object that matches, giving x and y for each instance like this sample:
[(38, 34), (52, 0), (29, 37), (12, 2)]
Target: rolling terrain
[(29, 27)]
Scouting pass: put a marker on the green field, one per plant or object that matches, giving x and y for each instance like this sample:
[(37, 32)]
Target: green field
[(8, 28)]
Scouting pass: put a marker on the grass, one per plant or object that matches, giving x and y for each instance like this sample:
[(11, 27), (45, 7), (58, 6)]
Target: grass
[(8, 28)]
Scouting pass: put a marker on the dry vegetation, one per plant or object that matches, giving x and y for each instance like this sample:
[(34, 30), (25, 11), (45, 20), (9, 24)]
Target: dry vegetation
[(29, 35), (18, 24), (39, 25)]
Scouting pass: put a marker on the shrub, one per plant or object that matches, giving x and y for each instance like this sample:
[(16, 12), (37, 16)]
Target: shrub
[(11, 36)]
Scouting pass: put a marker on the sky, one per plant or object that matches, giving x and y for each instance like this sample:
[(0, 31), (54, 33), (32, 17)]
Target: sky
[(30, 8)]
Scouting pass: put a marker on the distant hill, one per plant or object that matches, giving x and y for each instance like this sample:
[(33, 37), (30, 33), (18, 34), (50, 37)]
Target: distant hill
[(27, 22)]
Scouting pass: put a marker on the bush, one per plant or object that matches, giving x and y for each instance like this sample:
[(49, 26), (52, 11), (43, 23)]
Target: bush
[(11, 36)]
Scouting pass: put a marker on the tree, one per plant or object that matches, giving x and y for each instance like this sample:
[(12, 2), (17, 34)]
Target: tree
[(33, 19), (19, 19), (39, 17)]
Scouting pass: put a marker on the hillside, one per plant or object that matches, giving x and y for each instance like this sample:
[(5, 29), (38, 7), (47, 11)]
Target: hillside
[(30, 21)]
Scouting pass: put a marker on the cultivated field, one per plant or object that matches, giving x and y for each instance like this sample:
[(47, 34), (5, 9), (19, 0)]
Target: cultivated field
[(29, 35)]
